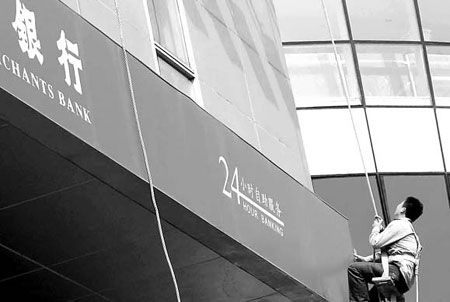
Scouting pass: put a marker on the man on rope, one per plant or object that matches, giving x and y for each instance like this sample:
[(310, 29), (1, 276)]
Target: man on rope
[(402, 245)]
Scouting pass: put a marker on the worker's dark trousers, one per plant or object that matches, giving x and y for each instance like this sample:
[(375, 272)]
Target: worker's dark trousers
[(360, 274)]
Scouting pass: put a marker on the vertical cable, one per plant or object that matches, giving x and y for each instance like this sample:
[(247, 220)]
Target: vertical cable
[(144, 151), (417, 287), (347, 97)]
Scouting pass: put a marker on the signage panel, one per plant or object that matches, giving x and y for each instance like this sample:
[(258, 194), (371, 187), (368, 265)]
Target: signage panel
[(58, 64), (221, 178)]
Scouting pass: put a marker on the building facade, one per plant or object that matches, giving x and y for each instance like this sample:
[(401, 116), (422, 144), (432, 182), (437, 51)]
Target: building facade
[(223, 55), (132, 127), (394, 58)]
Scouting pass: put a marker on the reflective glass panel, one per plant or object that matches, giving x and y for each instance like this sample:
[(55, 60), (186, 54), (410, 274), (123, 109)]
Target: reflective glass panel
[(330, 143), (351, 197), (439, 60), (393, 75), (304, 20), (405, 139), (315, 76), (435, 15), (383, 20), (166, 26), (444, 128), (433, 228)]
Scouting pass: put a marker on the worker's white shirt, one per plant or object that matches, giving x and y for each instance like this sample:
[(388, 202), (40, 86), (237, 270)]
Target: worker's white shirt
[(402, 247)]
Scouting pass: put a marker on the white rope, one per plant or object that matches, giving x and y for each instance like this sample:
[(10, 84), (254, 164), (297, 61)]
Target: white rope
[(419, 254), (144, 151), (347, 97), (417, 287)]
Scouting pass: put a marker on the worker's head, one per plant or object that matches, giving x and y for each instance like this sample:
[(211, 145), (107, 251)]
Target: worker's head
[(411, 208)]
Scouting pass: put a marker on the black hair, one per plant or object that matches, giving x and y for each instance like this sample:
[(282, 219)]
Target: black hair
[(414, 208)]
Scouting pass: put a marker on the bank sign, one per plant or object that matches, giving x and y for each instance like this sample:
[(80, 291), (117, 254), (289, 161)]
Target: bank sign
[(67, 64), (65, 69)]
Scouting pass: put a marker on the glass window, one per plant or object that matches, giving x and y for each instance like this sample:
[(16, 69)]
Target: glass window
[(393, 75), (330, 142), (304, 20), (433, 228), (167, 29), (405, 139), (315, 76), (351, 197), (383, 20), (444, 128), (439, 60), (170, 44), (435, 15)]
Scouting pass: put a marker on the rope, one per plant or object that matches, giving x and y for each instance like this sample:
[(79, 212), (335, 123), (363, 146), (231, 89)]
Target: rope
[(144, 151), (416, 271), (347, 97), (417, 287)]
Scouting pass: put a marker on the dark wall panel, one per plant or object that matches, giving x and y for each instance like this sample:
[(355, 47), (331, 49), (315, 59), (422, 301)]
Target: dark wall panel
[(351, 197), (433, 228)]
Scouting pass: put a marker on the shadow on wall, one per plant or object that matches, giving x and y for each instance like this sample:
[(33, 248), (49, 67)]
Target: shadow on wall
[(274, 56), (226, 40), (251, 50), (242, 26)]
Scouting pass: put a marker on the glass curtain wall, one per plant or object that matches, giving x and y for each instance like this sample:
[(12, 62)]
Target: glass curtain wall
[(392, 66)]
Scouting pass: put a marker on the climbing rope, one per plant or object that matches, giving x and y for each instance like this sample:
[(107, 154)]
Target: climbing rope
[(144, 151), (347, 97)]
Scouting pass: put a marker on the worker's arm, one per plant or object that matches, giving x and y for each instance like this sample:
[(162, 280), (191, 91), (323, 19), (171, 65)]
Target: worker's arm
[(394, 231)]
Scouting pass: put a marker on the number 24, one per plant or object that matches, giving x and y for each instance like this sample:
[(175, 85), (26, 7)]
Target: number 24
[(234, 184)]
